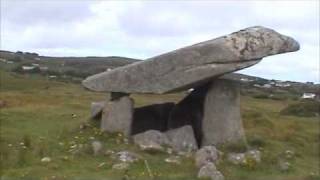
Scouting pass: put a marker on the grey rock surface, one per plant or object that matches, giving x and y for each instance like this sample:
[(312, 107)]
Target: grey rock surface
[(193, 65), (121, 166), (151, 140), (254, 155), (117, 116), (96, 147), (209, 170), (221, 117), (126, 156), (182, 139), (96, 109), (205, 155), (173, 160), (237, 158)]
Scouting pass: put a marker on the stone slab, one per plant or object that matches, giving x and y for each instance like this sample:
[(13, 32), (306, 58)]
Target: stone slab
[(193, 65)]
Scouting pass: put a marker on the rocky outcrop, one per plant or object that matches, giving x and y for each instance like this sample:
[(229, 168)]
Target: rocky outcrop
[(194, 65)]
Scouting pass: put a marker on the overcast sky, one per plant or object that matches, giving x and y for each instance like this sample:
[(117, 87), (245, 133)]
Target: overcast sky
[(141, 29)]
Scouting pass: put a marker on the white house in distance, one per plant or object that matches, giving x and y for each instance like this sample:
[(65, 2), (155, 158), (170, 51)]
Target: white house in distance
[(308, 96), (28, 68), (282, 84)]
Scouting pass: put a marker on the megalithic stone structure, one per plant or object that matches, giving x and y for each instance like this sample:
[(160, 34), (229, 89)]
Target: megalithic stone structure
[(221, 114), (216, 119), (193, 65)]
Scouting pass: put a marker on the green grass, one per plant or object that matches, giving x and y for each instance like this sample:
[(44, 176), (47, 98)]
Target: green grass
[(39, 114)]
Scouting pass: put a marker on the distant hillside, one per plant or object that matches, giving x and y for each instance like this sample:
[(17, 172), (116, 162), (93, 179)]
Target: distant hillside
[(73, 66), (77, 68)]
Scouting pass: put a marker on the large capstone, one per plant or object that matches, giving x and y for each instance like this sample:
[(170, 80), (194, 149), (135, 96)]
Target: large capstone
[(221, 116), (194, 65), (117, 116)]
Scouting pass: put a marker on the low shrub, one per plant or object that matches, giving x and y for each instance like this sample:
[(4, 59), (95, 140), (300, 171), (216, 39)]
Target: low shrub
[(261, 96), (254, 118), (305, 108), (256, 141)]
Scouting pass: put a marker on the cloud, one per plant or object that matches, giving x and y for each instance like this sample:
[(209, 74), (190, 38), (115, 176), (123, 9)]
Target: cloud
[(143, 29)]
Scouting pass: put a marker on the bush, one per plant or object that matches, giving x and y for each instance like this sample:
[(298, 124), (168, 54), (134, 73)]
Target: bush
[(256, 141), (261, 96), (254, 118), (306, 108)]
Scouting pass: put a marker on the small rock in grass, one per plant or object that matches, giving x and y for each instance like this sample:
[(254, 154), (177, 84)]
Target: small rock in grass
[(242, 158), (128, 157), (109, 152), (46, 159), (237, 158), (206, 154), (284, 166), (101, 164), (96, 147), (121, 166), (169, 150), (209, 170), (173, 160), (289, 154), (255, 155)]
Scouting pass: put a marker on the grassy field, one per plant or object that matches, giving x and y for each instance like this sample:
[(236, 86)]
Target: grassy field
[(42, 118)]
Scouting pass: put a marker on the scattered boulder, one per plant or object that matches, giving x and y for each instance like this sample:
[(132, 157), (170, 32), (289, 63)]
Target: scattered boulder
[(207, 154), (182, 139), (152, 140), (96, 147), (209, 170), (96, 109), (117, 116), (151, 117)]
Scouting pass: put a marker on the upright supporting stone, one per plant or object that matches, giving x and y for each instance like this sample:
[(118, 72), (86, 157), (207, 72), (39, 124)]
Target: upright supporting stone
[(221, 119), (117, 116)]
